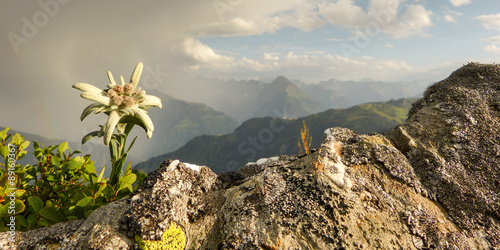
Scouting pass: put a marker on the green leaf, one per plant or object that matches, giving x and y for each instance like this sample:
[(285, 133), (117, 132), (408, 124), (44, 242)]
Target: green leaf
[(42, 222), (32, 219), (17, 139), (4, 150), (131, 144), (38, 152), (24, 145), (20, 192), (22, 220), (36, 203), (128, 169), (36, 145), (55, 161), (99, 178), (63, 147), (113, 151), (89, 168), (48, 203), (89, 136), (89, 109), (51, 148), (99, 191), (85, 202), (108, 192), (52, 214), (133, 120), (75, 163), (8, 210), (21, 154), (126, 181), (3, 133)]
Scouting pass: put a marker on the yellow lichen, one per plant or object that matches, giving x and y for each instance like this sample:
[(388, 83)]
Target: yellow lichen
[(318, 165), (174, 238)]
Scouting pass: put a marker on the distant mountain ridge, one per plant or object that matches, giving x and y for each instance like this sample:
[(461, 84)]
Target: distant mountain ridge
[(270, 136), (248, 99), (344, 94)]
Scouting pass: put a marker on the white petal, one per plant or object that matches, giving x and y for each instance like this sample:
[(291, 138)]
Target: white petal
[(113, 119), (96, 98), (151, 100), (111, 79), (127, 111), (105, 109), (141, 114), (85, 87), (134, 79), (122, 80)]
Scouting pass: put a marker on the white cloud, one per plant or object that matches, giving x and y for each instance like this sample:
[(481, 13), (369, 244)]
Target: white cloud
[(449, 18), (382, 16), (490, 21), (309, 67), (235, 27), (457, 3), (390, 46), (492, 48), (260, 16), (451, 15), (494, 44), (344, 13), (203, 54)]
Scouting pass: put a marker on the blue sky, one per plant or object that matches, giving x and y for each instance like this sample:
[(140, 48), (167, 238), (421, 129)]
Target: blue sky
[(48, 45)]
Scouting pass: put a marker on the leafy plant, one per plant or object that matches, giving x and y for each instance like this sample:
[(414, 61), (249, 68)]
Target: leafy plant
[(61, 186), (125, 106), (305, 140)]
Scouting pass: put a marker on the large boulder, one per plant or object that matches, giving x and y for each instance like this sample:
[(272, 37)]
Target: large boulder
[(432, 182)]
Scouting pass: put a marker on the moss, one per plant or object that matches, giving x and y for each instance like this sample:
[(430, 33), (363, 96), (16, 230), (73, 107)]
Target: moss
[(173, 238)]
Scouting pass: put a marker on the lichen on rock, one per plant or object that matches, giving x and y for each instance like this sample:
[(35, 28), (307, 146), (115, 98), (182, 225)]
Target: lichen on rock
[(173, 239)]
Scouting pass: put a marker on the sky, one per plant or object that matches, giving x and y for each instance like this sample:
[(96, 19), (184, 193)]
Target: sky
[(48, 45)]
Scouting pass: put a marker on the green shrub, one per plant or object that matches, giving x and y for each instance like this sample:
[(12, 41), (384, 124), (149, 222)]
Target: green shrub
[(61, 186)]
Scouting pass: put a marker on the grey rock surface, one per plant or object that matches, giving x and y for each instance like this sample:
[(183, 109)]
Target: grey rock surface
[(431, 183)]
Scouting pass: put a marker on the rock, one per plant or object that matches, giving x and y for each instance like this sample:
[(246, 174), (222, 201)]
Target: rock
[(432, 182)]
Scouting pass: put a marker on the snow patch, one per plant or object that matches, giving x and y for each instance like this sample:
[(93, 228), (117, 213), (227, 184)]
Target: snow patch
[(173, 165), (192, 166), (261, 161), (274, 158)]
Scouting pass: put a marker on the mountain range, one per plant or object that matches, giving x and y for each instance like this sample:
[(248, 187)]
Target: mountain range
[(232, 109), (246, 99), (271, 136), (344, 94), (242, 99)]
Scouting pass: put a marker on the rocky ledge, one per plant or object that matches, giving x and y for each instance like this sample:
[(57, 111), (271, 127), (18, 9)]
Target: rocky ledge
[(431, 183)]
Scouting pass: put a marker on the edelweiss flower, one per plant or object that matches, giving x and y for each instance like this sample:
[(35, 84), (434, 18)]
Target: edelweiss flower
[(123, 103)]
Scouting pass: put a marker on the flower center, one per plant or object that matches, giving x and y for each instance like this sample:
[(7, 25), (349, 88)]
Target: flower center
[(123, 96)]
